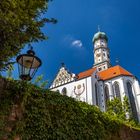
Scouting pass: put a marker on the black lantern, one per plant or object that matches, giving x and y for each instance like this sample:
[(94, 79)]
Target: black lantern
[(28, 65)]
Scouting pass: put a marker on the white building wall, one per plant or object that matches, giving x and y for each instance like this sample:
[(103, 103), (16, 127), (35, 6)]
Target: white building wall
[(89, 90), (136, 92), (83, 94), (122, 80)]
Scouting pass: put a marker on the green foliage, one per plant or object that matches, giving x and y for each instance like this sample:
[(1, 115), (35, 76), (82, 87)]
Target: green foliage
[(115, 108), (122, 111), (5, 107), (9, 71), (126, 105), (39, 81), (49, 115), (20, 24)]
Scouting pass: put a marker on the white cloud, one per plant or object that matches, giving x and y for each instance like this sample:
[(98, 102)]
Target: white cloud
[(71, 41), (77, 43)]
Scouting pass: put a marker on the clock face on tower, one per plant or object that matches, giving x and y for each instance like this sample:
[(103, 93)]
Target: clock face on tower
[(98, 55)]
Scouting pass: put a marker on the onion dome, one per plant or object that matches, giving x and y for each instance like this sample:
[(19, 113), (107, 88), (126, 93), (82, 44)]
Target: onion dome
[(99, 35)]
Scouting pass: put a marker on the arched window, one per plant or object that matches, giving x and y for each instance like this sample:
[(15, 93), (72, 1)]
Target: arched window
[(96, 95), (106, 95), (117, 90), (64, 91), (57, 91), (132, 101)]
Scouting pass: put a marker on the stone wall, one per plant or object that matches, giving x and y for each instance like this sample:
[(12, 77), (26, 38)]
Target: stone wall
[(127, 133)]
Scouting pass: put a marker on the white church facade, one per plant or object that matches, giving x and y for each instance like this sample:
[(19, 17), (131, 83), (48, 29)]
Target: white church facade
[(100, 83)]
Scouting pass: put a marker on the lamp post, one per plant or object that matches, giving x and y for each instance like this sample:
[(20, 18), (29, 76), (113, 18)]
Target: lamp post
[(28, 64)]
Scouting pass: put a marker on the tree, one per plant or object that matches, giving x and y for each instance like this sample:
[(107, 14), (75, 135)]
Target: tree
[(120, 109), (127, 108), (115, 108), (20, 24)]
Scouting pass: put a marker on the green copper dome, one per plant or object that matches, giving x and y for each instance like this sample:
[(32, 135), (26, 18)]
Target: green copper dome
[(100, 35)]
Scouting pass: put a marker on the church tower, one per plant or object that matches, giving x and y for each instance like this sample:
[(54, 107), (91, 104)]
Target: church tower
[(101, 51)]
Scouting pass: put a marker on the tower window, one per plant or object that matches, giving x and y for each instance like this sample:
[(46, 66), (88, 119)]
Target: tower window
[(100, 69), (108, 56)]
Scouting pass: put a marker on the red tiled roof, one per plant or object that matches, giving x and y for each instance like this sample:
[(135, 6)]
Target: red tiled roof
[(113, 72), (86, 73)]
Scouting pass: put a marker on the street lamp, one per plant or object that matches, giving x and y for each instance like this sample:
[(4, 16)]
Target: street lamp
[(28, 65)]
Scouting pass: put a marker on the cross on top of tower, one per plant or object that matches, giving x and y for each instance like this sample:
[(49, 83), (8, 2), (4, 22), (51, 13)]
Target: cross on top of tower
[(98, 28), (117, 61)]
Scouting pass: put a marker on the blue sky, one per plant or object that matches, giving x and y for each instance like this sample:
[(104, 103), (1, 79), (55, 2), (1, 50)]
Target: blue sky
[(70, 40)]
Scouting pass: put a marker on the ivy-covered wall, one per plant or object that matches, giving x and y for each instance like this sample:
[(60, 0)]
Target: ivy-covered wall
[(30, 113)]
